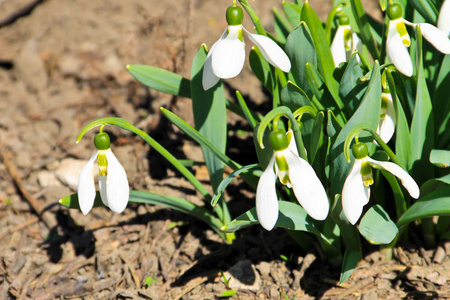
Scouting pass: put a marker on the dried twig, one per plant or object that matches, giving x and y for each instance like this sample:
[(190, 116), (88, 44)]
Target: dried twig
[(6, 157)]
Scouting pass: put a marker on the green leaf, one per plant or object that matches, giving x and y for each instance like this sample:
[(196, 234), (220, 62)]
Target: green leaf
[(333, 126), (441, 105), (434, 184), (402, 136), (292, 12), (248, 114), (436, 203), (324, 58), (440, 158), (319, 88), (71, 201), (200, 139), (377, 227), (281, 26), (178, 204), (351, 88), (161, 80), (426, 8), (223, 185), (228, 293), (422, 127), (292, 216), (316, 137), (368, 112), (261, 68), (150, 280), (365, 31), (264, 155), (351, 259), (300, 50), (294, 97), (210, 117)]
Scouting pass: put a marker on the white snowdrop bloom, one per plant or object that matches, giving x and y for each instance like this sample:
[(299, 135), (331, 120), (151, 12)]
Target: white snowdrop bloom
[(356, 190), (388, 118), (345, 42), (226, 57), (398, 40), (113, 182), (443, 22), (295, 173)]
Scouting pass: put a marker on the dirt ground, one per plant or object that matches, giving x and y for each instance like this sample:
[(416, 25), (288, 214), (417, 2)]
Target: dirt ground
[(62, 65)]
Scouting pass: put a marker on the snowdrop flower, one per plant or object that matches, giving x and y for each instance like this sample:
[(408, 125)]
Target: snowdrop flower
[(113, 182), (226, 57), (388, 117), (443, 22), (345, 42), (356, 191), (295, 173), (398, 39)]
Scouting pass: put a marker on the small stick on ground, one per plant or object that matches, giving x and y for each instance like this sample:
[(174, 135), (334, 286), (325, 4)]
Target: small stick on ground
[(6, 157), (19, 227)]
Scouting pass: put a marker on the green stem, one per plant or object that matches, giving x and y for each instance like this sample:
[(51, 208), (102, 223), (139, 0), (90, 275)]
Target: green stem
[(253, 16)]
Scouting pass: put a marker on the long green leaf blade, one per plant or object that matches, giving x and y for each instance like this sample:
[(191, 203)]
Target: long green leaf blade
[(210, 117), (436, 203), (161, 80)]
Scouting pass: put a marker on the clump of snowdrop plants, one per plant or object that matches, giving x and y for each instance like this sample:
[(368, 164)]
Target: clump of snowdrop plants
[(353, 149)]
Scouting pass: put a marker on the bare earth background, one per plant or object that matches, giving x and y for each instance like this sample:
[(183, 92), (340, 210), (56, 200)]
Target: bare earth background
[(62, 65)]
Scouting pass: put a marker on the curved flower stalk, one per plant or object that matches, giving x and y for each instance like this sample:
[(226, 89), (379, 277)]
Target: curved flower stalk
[(388, 117), (356, 190), (227, 55), (398, 40), (345, 42), (443, 22), (295, 173), (113, 182)]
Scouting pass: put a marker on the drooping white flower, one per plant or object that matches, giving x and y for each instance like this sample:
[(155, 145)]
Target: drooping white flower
[(398, 39), (226, 57), (443, 22), (356, 190), (113, 182), (388, 118), (295, 173), (345, 42)]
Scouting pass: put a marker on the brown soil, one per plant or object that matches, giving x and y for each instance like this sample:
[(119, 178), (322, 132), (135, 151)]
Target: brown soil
[(62, 66)]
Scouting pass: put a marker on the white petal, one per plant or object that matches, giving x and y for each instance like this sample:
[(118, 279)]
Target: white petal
[(266, 197), (102, 188), (307, 187), (227, 59), (386, 128), (271, 51), (443, 22), (117, 188), (354, 194), (338, 46), (86, 185), (209, 79), (398, 54), (356, 46), (407, 181), (436, 37)]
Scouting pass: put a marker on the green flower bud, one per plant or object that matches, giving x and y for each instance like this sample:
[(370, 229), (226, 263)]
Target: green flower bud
[(278, 140), (360, 150), (395, 11), (344, 20), (101, 141), (234, 15)]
